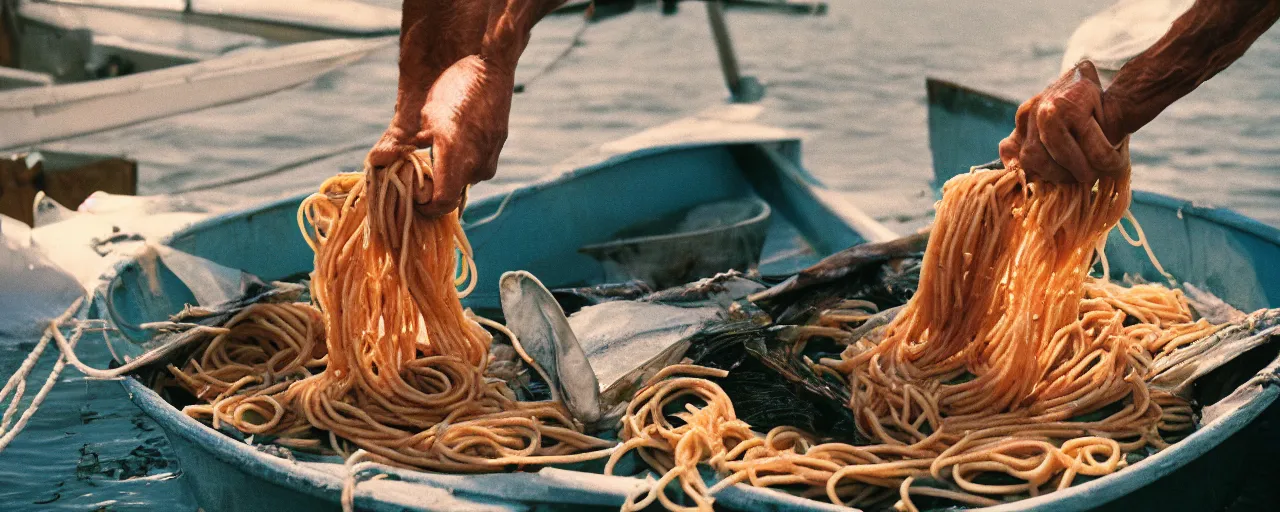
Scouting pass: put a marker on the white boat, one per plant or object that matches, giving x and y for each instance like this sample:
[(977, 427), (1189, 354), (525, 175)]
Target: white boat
[(72, 43), (280, 20), (201, 41), (16, 78), (37, 114)]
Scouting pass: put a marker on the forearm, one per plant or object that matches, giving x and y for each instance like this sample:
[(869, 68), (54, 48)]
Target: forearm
[(510, 25), (1202, 42), (433, 35)]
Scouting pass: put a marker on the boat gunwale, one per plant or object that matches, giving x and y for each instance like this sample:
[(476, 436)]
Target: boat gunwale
[(480, 205), (319, 30)]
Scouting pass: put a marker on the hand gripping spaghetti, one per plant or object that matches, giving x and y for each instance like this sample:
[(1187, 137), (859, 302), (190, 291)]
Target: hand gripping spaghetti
[(1010, 362), (388, 359)]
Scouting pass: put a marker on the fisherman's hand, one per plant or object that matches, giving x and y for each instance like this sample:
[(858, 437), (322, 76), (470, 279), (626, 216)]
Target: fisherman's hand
[(1060, 134), (435, 34), (394, 145), (465, 124)]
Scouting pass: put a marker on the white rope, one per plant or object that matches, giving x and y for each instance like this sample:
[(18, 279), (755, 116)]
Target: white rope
[(353, 466), (196, 333), (17, 383), (18, 380)]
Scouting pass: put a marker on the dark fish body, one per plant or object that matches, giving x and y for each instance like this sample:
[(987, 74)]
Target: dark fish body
[(884, 273), (573, 299), (769, 384)]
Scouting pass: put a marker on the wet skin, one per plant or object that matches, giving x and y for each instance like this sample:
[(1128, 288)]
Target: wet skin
[(1076, 131), (457, 75)]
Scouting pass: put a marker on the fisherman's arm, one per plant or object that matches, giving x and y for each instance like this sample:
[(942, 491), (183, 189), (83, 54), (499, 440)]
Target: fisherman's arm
[(1204, 41), (434, 34), (508, 33), (467, 110), (1065, 133)]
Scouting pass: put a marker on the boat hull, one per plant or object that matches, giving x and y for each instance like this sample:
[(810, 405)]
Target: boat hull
[(1213, 248), (41, 114), (538, 227), (285, 22)]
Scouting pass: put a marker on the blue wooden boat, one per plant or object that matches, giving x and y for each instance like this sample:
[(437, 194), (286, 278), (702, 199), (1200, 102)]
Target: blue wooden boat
[(1217, 249), (540, 228)]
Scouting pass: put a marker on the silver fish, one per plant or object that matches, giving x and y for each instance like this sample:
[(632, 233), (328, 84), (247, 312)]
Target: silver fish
[(628, 342), (596, 359), (1210, 307), (543, 332), (1180, 369)]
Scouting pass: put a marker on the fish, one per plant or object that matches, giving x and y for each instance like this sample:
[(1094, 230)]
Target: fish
[(574, 299), (627, 342), (771, 384), (549, 345), (1179, 370), (884, 273), (722, 289), (847, 262), (1210, 307), (595, 359)]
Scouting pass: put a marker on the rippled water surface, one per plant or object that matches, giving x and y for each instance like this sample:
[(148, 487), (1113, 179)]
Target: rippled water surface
[(851, 82)]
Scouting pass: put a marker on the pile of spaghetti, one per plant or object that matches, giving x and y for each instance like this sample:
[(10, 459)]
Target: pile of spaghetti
[(1010, 373), (388, 359)]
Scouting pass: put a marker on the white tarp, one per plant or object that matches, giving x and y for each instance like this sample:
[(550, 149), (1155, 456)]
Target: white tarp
[(44, 269), (32, 287)]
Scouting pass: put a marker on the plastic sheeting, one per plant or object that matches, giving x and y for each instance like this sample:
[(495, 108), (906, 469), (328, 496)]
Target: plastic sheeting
[(32, 287), (87, 243), (43, 269)]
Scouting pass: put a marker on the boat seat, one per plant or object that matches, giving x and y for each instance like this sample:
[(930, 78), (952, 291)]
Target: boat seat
[(11, 78)]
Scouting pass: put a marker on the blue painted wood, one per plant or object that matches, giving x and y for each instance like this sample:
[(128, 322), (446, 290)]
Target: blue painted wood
[(1215, 248), (537, 228), (962, 125), (540, 227)]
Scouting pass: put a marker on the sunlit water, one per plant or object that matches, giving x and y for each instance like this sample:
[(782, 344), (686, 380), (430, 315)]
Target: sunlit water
[(851, 82)]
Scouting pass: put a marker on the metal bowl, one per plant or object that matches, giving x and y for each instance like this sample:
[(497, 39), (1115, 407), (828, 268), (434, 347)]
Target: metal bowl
[(688, 245)]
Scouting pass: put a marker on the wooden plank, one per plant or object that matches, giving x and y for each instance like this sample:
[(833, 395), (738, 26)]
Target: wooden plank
[(67, 178), (8, 33), (965, 127)]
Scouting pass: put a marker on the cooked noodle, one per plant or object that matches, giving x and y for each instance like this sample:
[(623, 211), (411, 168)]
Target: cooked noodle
[(1009, 360), (390, 361)]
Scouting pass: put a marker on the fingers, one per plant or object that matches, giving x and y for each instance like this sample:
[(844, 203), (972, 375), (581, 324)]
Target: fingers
[(448, 180), (1059, 135), (1036, 160), (1011, 146), (386, 152), (1106, 159), (424, 187), (1086, 70), (1058, 142), (488, 170)]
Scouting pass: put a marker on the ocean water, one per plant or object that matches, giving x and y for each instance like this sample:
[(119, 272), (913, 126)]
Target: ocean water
[(851, 82)]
